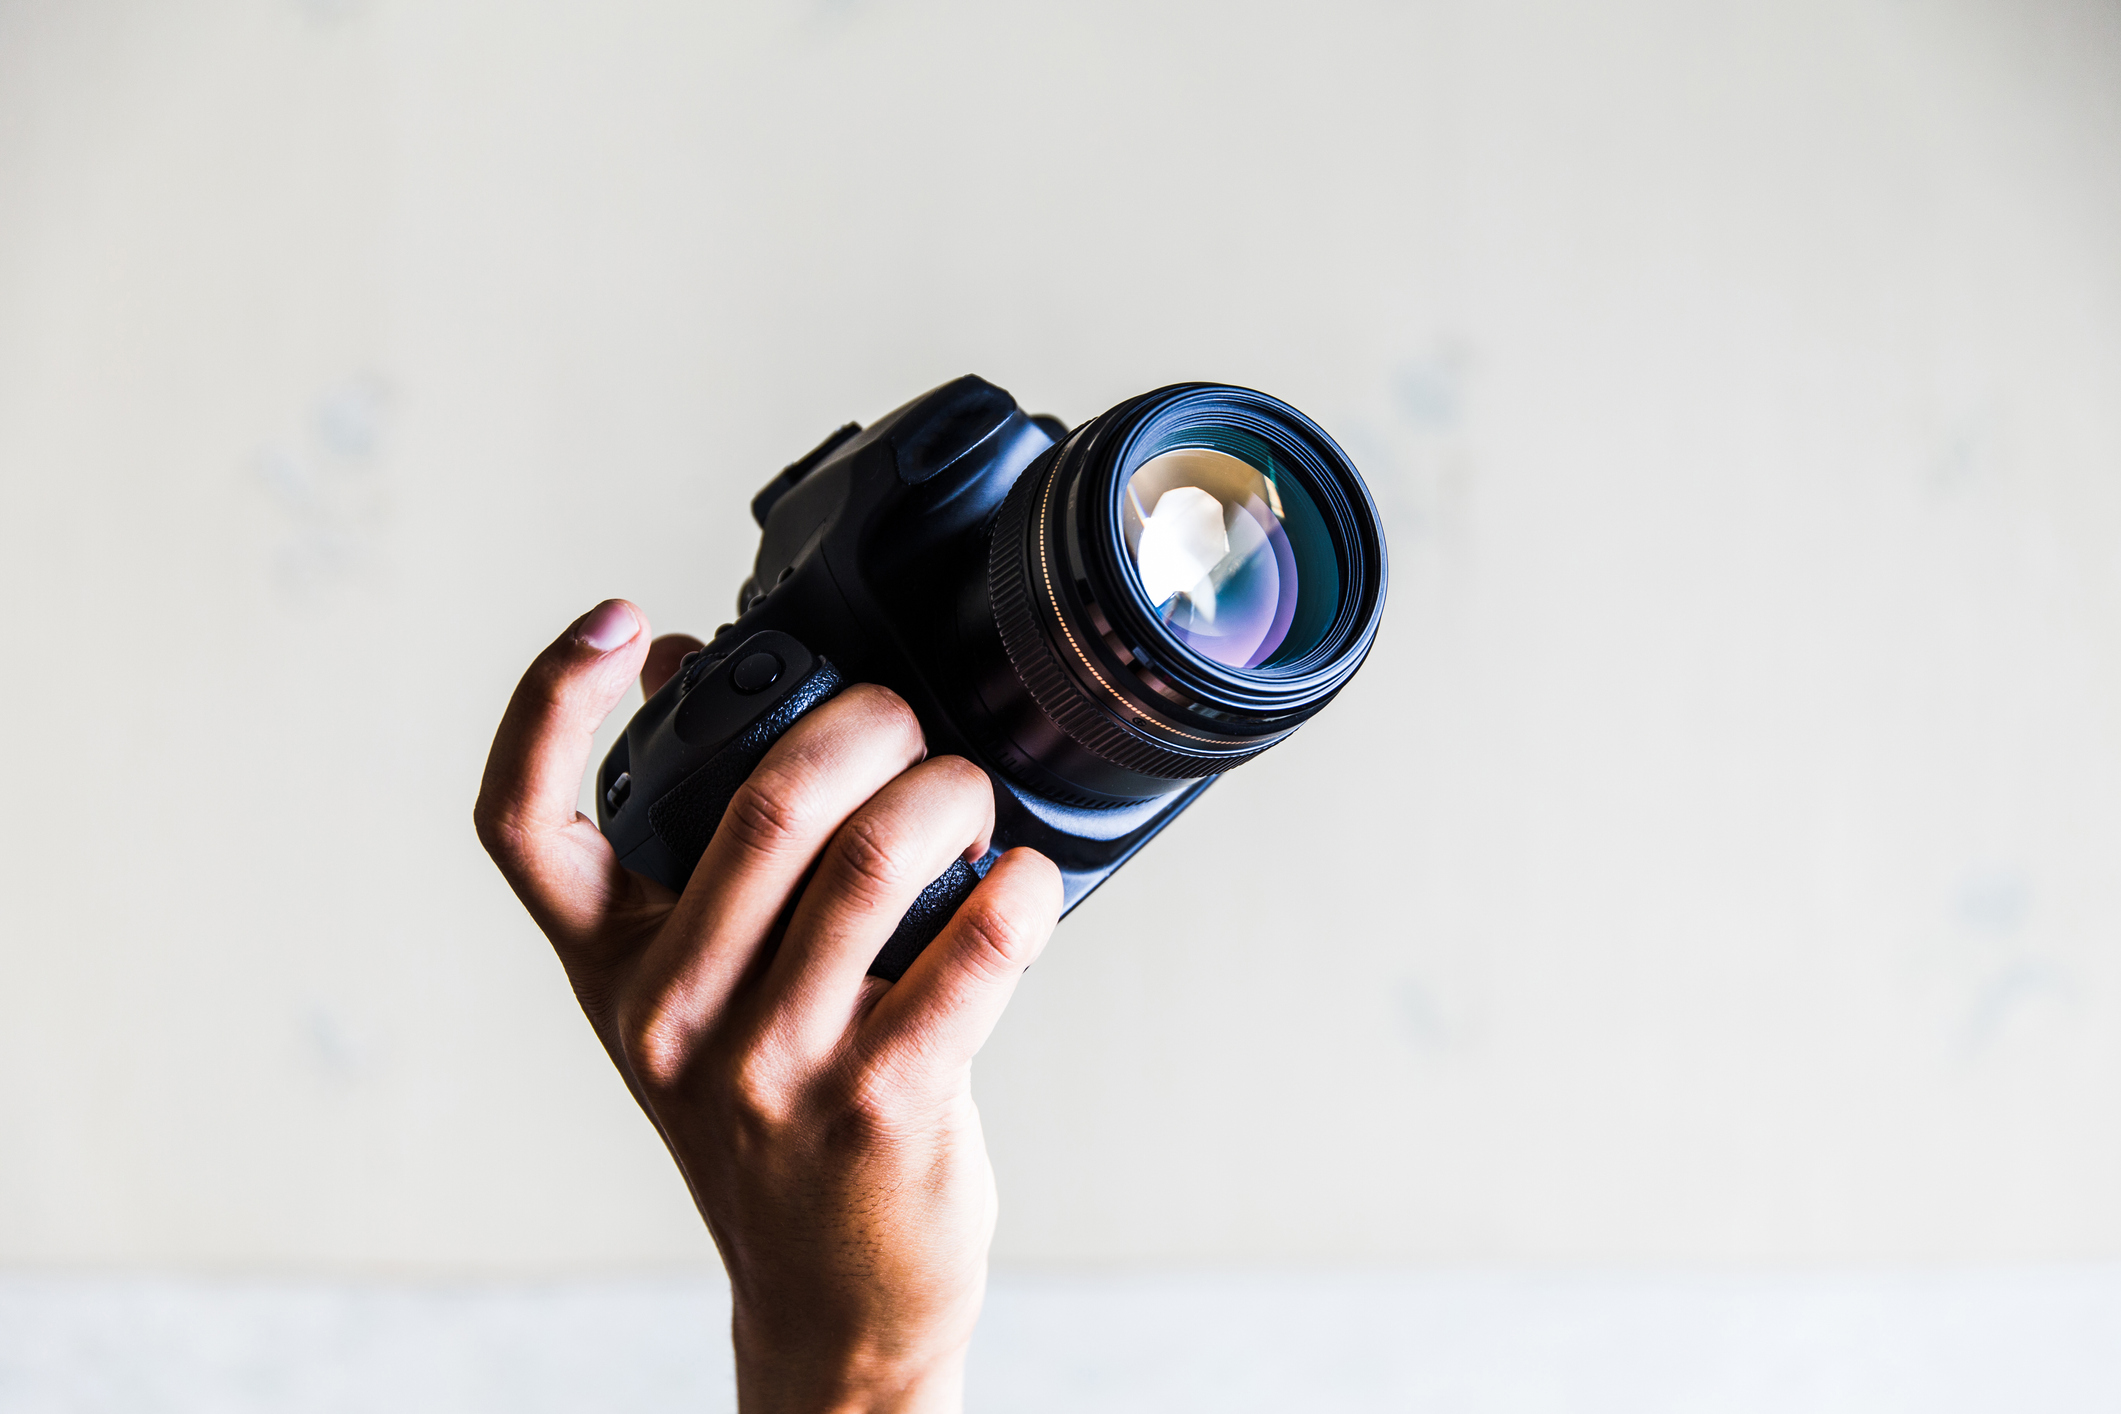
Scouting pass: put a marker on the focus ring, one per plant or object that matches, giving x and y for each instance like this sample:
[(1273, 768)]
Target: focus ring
[(1016, 589)]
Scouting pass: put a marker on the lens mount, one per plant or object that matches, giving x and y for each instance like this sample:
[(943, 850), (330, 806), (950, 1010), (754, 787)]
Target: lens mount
[(1184, 581)]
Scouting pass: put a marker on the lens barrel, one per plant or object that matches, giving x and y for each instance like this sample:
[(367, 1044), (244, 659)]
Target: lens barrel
[(1180, 584)]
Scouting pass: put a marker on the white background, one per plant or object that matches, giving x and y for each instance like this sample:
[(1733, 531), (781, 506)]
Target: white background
[(1714, 864)]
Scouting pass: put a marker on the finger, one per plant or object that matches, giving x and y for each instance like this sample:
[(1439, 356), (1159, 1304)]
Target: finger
[(554, 858), (829, 763), (875, 867), (664, 655), (941, 1012)]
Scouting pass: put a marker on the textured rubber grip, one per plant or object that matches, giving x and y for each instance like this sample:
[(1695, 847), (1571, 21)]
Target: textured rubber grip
[(687, 815), (934, 908)]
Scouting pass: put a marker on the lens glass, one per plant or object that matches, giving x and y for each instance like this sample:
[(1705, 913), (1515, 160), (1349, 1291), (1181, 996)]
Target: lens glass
[(1230, 549)]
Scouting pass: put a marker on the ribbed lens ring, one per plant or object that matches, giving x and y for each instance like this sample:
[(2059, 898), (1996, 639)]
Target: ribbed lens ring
[(1073, 563), (1056, 659)]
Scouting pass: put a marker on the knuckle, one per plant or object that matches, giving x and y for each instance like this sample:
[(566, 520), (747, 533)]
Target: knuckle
[(865, 859), (748, 1081), (1042, 876), (997, 943), (500, 834), (758, 1093), (866, 1107), (549, 687), (962, 777), (547, 684), (768, 813), (886, 711), (656, 1049), (486, 824)]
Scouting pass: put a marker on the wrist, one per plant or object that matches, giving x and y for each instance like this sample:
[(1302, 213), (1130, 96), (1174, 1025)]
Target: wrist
[(778, 1376)]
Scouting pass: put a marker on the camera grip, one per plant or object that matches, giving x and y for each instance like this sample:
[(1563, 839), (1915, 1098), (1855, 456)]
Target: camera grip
[(687, 815)]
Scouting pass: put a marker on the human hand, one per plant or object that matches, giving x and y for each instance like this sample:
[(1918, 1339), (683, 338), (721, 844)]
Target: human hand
[(823, 1118)]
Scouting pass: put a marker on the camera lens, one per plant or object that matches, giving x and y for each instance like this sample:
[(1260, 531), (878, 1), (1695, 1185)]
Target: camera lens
[(1179, 585)]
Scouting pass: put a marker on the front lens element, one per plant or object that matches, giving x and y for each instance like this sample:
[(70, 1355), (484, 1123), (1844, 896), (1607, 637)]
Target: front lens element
[(1231, 551)]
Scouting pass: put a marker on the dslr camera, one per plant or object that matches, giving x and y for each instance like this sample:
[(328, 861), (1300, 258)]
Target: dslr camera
[(1105, 620)]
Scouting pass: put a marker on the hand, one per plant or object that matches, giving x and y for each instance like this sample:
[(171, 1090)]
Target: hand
[(823, 1119)]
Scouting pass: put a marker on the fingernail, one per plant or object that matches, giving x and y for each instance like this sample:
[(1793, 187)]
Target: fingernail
[(607, 625)]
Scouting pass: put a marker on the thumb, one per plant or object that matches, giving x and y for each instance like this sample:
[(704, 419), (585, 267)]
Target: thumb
[(556, 861)]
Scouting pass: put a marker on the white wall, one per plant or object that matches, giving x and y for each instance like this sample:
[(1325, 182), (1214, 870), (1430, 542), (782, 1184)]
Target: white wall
[(1715, 861)]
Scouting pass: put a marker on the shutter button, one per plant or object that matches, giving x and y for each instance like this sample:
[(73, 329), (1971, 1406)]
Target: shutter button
[(755, 673)]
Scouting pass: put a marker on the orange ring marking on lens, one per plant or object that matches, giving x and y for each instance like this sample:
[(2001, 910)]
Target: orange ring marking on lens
[(1045, 505)]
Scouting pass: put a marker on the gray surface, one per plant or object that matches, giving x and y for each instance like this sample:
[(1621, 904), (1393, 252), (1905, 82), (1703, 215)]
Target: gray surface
[(2022, 1339)]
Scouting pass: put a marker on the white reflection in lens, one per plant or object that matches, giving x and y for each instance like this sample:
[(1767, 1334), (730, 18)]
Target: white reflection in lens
[(1204, 528)]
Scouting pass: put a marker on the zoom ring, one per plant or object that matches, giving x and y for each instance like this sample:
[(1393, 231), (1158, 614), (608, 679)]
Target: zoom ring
[(1014, 588)]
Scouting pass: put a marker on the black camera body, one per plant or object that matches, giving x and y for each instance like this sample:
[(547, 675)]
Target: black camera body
[(1009, 581)]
